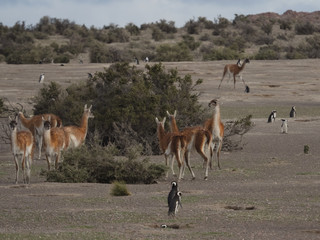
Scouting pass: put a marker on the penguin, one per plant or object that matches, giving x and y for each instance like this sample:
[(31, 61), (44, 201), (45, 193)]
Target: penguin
[(284, 126), (293, 112), (272, 116), (41, 78), (172, 193), (247, 89), (175, 204)]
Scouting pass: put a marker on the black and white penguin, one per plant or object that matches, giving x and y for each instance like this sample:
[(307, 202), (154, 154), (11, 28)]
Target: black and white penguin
[(272, 116), (293, 112), (172, 193), (175, 203)]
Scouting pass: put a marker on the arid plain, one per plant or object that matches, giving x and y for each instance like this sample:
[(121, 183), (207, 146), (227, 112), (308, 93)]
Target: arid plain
[(268, 190)]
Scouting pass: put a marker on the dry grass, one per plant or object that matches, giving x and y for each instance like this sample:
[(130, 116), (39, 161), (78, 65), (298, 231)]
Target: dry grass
[(271, 174)]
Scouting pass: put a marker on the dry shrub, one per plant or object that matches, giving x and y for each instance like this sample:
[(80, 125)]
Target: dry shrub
[(119, 189)]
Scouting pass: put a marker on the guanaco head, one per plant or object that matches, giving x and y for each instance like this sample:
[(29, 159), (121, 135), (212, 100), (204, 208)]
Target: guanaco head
[(13, 123), (46, 123), (247, 60), (160, 123), (172, 115), (88, 111), (213, 102)]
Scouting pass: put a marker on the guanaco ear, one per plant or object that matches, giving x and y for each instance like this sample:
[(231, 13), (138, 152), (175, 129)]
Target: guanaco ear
[(42, 118), (157, 120), (163, 121), (175, 113), (85, 107), (10, 119), (90, 108)]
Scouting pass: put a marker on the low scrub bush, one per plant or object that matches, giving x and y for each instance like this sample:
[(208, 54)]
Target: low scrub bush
[(304, 28), (268, 53), (221, 54), (234, 132), (119, 189), (167, 27), (169, 53), (98, 164)]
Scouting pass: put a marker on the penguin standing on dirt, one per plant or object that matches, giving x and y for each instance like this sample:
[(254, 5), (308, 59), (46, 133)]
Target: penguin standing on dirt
[(272, 116), (41, 78), (247, 89), (172, 193), (175, 203), (293, 112), (284, 126)]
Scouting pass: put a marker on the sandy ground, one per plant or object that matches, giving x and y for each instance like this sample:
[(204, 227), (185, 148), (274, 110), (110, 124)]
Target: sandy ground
[(272, 183)]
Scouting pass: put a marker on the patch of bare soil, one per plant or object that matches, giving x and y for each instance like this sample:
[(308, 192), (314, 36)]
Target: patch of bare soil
[(269, 190)]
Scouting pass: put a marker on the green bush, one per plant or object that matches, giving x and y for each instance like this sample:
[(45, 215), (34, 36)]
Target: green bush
[(173, 53), (192, 26), (221, 54), (268, 53), (119, 189), (64, 58), (132, 29), (157, 34), (304, 28), (167, 27), (190, 42), (125, 102), (94, 163), (285, 24)]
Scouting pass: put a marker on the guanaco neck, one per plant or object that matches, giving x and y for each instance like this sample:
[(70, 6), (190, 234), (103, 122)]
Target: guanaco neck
[(173, 125), (162, 136), (242, 66), (14, 137), (213, 123), (84, 124), (216, 117), (25, 122)]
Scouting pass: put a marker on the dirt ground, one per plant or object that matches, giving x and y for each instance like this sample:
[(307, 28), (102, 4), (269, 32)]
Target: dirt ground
[(269, 190)]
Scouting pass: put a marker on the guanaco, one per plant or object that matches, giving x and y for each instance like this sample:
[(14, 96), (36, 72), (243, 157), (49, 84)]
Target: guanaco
[(55, 141), (216, 127), (171, 144), (77, 135), (197, 138), (35, 125), (22, 144), (235, 69)]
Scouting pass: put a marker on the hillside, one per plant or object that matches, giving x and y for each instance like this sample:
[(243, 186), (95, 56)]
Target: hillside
[(292, 35)]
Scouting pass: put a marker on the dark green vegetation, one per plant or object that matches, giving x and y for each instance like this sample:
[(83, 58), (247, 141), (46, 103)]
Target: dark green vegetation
[(125, 103), (264, 36), (96, 164)]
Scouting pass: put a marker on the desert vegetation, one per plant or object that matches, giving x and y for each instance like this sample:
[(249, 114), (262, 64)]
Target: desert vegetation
[(125, 102), (291, 35)]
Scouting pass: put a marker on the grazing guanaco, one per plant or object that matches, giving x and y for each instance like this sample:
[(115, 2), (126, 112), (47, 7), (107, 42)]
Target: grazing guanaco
[(197, 138), (77, 135), (171, 144), (216, 127), (35, 125), (235, 70), (55, 140), (22, 144)]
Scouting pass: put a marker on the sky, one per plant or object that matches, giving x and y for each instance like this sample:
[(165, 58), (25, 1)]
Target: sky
[(99, 13)]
